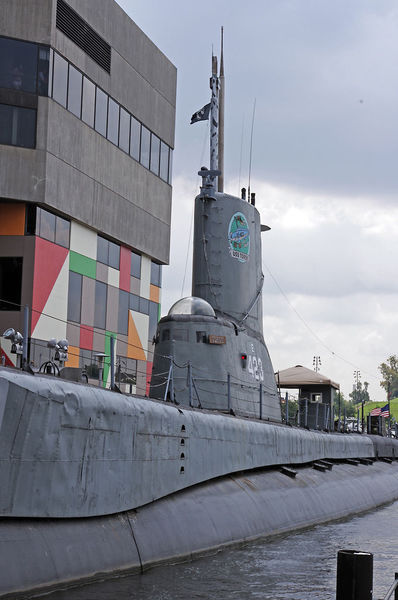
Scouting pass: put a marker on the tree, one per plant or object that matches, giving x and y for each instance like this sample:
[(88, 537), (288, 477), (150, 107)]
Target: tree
[(360, 393), (348, 405), (389, 373)]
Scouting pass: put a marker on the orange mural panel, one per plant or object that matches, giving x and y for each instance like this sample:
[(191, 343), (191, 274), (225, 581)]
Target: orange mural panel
[(134, 348), (154, 293), (12, 219), (73, 357)]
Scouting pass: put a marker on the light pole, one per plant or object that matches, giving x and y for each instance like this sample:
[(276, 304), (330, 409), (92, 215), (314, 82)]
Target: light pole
[(316, 362)]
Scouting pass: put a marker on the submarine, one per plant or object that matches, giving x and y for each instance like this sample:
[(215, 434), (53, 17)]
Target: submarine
[(95, 483)]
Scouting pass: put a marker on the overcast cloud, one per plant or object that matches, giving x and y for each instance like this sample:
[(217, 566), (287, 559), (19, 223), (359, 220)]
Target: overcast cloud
[(324, 74)]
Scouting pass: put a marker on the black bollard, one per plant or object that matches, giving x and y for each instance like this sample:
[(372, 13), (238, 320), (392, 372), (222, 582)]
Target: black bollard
[(354, 575)]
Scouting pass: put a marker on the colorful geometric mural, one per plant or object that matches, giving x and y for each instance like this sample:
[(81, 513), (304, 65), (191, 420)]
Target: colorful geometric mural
[(87, 290)]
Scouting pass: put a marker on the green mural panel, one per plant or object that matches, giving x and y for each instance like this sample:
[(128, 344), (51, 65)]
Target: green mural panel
[(107, 361), (82, 264)]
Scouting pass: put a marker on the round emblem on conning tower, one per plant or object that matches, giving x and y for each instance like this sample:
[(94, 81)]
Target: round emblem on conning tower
[(239, 237)]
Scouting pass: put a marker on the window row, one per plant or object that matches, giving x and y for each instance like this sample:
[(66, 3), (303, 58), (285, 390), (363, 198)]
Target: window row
[(91, 104), (127, 302), (47, 225), (17, 126), (24, 66)]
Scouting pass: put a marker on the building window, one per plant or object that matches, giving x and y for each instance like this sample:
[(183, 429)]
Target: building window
[(155, 149), (88, 103), (164, 161), (10, 282), (156, 274), (108, 252), (101, 110), (17, 126), (153, 319), (100, 305), (60, 79), (123, 315), (52, 227), (75, 91), (144, 306), (113, 122), (124, 130), (145, 146), (74, 296), (134, 302), (136, 265), (18, 65), (43, 71), (135, 139)]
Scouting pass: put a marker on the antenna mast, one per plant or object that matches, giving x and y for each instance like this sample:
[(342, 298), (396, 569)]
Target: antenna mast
[(214, 116), (221, 117)]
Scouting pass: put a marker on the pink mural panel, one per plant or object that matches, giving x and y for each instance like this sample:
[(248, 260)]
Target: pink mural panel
[(49, 260)]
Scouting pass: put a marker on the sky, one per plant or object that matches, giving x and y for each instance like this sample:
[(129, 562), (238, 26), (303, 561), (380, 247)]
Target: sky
[(323, 76)]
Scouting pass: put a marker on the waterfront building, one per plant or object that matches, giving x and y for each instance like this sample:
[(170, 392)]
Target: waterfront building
[(87, 116)]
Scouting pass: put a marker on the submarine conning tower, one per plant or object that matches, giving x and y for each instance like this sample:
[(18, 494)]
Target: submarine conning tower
[(226, 268), (209, 349)]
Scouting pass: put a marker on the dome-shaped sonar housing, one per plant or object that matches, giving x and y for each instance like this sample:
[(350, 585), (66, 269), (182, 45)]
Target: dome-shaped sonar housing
[(192, 306)]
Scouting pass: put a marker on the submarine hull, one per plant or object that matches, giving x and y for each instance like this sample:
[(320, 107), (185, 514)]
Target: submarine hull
[(49, 553)]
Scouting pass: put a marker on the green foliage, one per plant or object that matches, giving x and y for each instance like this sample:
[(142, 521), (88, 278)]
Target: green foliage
[(360, 393), (389, 373), (348, 405)]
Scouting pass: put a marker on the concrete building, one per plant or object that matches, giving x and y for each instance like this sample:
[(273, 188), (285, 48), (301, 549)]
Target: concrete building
[(87, 115)]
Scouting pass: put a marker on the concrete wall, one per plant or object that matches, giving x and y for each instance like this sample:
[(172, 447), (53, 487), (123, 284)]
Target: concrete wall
[(75, 170)]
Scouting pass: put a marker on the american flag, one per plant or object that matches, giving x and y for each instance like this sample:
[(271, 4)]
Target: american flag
[(383, 412)]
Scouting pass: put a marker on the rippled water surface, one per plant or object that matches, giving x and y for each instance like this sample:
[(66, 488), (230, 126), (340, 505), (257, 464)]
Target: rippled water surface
[(299, 566)]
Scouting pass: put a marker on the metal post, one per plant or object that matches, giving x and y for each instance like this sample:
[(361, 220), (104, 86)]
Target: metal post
[(354, 575), (287, 407), (316, 415), (344, 419), (229, 390), (261, 401), (306, 413), (362, 420), (112, 357), (25, 336), (358, 419), (339, 424), (190, 382)]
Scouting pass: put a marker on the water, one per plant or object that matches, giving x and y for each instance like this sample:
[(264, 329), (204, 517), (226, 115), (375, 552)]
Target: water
[(299, 566)]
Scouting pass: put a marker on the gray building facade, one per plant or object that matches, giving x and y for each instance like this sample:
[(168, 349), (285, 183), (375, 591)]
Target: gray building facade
[(87, 116)]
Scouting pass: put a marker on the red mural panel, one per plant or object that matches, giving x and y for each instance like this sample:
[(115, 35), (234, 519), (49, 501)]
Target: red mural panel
[(148, 376), (125, 267), (49, 260), (86, 337)]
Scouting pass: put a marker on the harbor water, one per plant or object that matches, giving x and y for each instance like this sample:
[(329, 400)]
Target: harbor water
[(297, 566)]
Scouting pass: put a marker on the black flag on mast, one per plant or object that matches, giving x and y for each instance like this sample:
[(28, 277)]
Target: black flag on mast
[(202, 114)]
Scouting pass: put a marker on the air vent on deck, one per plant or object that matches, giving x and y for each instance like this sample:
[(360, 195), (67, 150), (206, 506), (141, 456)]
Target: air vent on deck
[(77, 30)]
